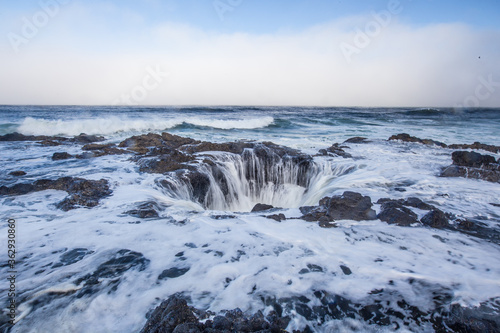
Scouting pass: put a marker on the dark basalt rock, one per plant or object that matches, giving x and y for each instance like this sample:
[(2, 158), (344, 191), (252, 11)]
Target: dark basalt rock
[(173, 161), (261, 207), (471, 159), (393, 212), (357, 139), (173, 273), (82, 192), (277, 217), (61, 156), (476, 145), (142, 144), (435, 219), (348, 206), (407, 138), (17, 173), (168, 315), (473, 165), (108, 274), (51, 140), (72, 257), (335, 150), (144, 211), (174, 315)]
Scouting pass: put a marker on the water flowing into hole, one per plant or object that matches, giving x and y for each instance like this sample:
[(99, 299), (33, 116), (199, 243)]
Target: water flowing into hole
[(232, 182)]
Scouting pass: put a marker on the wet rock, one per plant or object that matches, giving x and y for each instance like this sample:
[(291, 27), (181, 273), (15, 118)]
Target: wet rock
[(98, 150), (173, 273), (144, 211), (472, 320), (407, 138), (490, 172), (435, 219), (142, 144), (476, 145), (50, 143), (261, 207), (346, 270), (348, 206), (61, 156), (82, 192), (335, 150), (172, 161), (72, 257), (20, 137), (324, 222), (168, 315), (85, 138), (408, 202), (393, 212), (277, 217), (17, 173), (471, 159), (357, 139)]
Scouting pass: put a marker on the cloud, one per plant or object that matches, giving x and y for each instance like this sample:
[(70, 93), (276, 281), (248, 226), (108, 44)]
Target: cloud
[(401, 65)]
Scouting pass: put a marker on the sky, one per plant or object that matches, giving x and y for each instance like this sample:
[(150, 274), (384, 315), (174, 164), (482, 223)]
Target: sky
[(415, 53)]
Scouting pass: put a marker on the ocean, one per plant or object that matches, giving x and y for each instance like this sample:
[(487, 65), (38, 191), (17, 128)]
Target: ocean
[(105, 267)]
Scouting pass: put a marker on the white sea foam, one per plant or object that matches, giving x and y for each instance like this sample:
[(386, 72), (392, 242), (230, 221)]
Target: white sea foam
[(233, 262), (113, 125)]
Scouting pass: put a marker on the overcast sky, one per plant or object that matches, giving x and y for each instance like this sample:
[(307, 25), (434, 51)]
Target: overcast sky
[(250, 52)]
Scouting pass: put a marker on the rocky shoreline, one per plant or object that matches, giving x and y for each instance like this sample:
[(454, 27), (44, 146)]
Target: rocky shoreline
[(194, 164)]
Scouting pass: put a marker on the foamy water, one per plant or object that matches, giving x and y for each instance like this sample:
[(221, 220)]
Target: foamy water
[(244, 258)]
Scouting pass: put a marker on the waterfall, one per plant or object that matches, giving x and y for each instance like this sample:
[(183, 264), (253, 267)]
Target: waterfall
[(232, 182)]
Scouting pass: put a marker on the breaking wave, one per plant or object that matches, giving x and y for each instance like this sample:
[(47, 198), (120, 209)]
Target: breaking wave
[(111, 125)]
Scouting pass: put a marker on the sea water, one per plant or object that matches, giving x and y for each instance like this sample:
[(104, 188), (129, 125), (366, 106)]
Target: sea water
[(244, 259)]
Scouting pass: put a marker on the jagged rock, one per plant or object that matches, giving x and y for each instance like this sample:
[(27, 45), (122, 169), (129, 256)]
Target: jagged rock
[(72, 257), (85, 138), (144, 211), (348, 206), (393, 212), (174, 315), (336, 150), (175, 160), (142, 144), (277, 217), (168, 315), (489, 172), (471, 159), (407, 138), (20, 137), (476, 145), (357, 139), (61, 156), (409, 202), (173, 273), (435, 219), (110, 272), (261, 207), (82, 192), (17, 173)]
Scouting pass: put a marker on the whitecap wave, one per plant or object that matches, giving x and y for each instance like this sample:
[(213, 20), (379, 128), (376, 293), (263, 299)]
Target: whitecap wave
[(112, 125), (103, 126), (251, 123)]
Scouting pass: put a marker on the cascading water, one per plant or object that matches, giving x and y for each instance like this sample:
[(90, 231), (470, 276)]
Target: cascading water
[(237, 182)]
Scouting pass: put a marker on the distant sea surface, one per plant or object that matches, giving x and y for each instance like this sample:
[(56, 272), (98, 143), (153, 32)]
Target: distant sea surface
[(244, 259)]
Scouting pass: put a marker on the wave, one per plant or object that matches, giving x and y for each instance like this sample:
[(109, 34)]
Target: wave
[(112, 125), (251, 123)]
